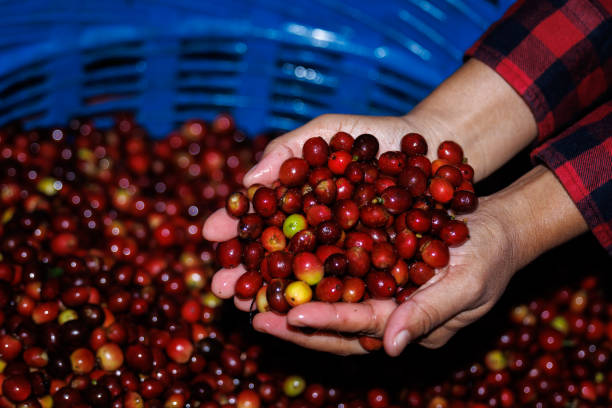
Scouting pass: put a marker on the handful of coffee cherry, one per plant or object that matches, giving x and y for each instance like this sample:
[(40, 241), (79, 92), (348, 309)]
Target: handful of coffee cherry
[(340, 224)]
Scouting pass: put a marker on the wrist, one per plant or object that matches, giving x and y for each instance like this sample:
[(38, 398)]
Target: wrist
[(479, 110), (537, 214)]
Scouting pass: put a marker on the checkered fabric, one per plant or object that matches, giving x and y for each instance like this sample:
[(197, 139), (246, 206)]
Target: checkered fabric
[(558, 56), (581, 157)]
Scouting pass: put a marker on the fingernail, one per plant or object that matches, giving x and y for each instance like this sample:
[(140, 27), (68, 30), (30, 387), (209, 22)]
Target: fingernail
[(401, 340)]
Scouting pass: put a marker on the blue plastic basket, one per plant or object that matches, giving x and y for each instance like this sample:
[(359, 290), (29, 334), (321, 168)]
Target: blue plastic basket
[(271, 63)]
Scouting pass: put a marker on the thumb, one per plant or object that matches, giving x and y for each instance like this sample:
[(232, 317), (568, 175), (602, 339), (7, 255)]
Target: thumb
[(429, 308)]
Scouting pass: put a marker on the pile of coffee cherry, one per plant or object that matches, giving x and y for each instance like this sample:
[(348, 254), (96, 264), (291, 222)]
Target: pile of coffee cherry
[(349, 224), (553, 352)]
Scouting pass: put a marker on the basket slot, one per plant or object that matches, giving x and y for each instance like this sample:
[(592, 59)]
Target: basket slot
[(183, 102), (205, 66), (112, 62), (227, 83), (32, 106), (109, 107), (111, 75)]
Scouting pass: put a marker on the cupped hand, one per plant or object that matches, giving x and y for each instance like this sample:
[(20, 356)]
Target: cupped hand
[(456, 296), (389, 131)]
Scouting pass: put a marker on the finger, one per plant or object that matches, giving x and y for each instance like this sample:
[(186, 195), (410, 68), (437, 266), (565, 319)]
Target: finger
[(246, 305), (426, 310), (277, 326), (367, 317), (220, 226), (224, 281)]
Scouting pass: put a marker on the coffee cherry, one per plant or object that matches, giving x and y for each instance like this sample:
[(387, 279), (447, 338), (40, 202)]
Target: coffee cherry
[(297, 293), (248, 284), (450, 151), (229, 253), (435, 253), (381, 284), (338, 161), (315, 151), (365, 147), (414, 144), (341, 141), (329, 289), (250, 226), (264, 202), (293, 172), (237, 204), (308, 268)]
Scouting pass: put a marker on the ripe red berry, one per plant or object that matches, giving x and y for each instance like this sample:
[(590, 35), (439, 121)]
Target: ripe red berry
[(293, 172), (339, 161), (341, 141), (450, 151), (315, 151), (413, 144)]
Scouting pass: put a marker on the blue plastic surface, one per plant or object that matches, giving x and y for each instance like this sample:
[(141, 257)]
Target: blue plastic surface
[(273, 64)]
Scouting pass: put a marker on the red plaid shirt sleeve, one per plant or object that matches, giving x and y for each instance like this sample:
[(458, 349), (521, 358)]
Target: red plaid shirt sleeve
[(581, 157), (557, 54)]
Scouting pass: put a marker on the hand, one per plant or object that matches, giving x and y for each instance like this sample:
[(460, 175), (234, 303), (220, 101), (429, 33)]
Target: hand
[(456, 296), (389, 130)]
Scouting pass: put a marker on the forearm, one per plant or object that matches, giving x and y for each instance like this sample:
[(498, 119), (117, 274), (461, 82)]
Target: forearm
[(482, 112), (538, 214)]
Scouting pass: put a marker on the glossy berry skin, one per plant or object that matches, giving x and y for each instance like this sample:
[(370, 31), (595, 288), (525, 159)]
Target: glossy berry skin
[(250, 226), (450, 151), (454, 233), (253, 254), (365, 147), (294, 224), (293, 172), (308, 268), (336, 265), (435, 253), (420, 272), (359, 261), (383, 256), (406, 243), (326, 191), (396, 199), (354, 172), (441, 190), (413, 144), (344, 188), (179, 350), (346, 213), (328, 232), (109, 356), (16, 388), (248, 284), (297, 293), (237, 204), (391, 163), (275, 294), (414, 180), (303, 241), (291, 201), (380, 284), (373, 215), (315, 151), (450, 173), (279, 264), (378, 398), (339, 161), (354, 289), (229, 253), (329, 289), (264, 202), (464, 202), (273, 239), (341, 141)]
